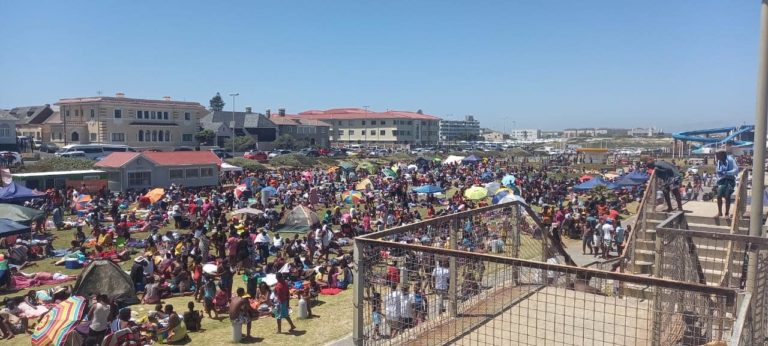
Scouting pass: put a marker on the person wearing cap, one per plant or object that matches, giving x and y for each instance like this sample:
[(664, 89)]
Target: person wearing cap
[(726, 171), (669, 178)]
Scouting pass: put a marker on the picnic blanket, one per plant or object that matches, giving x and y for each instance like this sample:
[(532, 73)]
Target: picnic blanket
[(330, 291), (22, 282), (29, 311)]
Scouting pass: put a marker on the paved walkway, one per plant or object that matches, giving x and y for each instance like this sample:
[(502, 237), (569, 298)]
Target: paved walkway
[(573, 247)]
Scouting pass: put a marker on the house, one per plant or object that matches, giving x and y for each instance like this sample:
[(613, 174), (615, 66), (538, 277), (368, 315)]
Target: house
[(139, 123), (8, 132), (30, 119), (310, 131), (390, 128), (258, 126), (142, 170)]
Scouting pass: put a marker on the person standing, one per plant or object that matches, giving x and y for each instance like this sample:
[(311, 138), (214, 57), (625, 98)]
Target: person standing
[(393, 306), (239, 314), (441, 276), (283, 296), (669, 178), (99, 317), (726, 171)]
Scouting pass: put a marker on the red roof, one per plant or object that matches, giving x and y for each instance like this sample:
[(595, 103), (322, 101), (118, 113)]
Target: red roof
[(182, 158), (117, 160), (174, 158), (357, 113)]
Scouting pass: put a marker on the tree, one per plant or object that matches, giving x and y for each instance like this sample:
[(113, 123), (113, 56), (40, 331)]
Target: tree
[(420, 111), (205, 137), (242, 143), (217, 103), (285, 141)]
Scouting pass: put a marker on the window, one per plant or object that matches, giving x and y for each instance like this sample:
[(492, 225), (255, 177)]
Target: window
[(160, 136), (93, 137), (5, 130), (176, 173), (192, 172), (187, 116), (363, 133), (118, 137), (165, 115), (341, 132), (410, 122), (93, 113), (167, 135), (373, 122), (351, 132), (67, 112), (382, 132), (75, 137), (139, 114), (206, 172), (153, 114), (363, 122), (141, 135), (118, 113), (154, 136), (394, 132), (77, 112), (383, 122), (139, 178), (187, 137)]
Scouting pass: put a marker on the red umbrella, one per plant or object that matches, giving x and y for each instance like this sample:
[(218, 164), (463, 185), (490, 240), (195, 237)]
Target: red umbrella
[(585, 178)]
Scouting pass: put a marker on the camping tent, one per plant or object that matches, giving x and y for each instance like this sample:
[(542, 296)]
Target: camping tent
[(592, 183), (225, 167), (626, 180), (421, 162), (10, 227), (639, 176), (17, 193), (299, 220), (452, 159), (470, 159), (103, 276), (20, 214)]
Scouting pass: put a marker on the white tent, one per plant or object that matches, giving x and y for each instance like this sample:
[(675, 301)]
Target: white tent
[(453, 159), (225, 167)]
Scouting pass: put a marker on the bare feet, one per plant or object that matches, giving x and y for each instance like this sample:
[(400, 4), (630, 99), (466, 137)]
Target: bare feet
[(719, 215)]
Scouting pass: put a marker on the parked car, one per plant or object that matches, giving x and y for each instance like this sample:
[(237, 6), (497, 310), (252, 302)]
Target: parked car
[(279, 152), (184, 149), (310, 153), (10, 159), (78, 154), (221, 153), (337, 153), (48, 148), (255, 155)]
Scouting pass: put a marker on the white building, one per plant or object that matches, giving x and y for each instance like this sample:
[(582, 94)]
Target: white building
[(525, 134), (456, 130)]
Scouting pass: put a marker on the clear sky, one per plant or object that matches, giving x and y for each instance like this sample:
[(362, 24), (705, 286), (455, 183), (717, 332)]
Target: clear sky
[(542, 64)]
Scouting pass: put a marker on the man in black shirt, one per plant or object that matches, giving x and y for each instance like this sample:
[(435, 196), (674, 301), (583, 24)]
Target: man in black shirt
[(669, 179)]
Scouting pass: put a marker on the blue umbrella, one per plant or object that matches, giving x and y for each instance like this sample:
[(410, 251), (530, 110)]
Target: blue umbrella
[(497, 197), (269, 189), (508, 180), (427, 189)]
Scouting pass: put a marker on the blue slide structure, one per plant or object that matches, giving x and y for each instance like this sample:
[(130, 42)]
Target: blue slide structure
[(741, 136)]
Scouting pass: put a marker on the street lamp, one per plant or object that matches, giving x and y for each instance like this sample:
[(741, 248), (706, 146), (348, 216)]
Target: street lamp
[(234, 124)]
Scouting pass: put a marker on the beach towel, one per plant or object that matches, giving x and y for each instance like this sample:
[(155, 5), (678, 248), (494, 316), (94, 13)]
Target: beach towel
[(330, 291), (21, 282), (29, 311)]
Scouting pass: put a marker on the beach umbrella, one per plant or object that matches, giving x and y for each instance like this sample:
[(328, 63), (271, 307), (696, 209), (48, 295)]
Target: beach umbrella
[(500, 195), (427, 189), (584, 178), (240, 190), (475, 193), (155, 195), (510, 198), (508, 180), (390, 173), (395, 168), (351, 197), (346, 165), (56, 323), (364, 184), (82, 202), (493, 187), (269, 190)]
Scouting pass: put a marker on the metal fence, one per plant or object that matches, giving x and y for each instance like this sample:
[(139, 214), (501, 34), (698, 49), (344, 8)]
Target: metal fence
[(427, 293)]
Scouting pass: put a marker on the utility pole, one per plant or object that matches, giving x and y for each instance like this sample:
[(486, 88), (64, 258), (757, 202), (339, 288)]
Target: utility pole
[(234, 124)]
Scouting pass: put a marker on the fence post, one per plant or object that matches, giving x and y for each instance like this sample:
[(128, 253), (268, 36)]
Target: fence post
[(452, 306), (514, 231), (657, 293), (358, 326)]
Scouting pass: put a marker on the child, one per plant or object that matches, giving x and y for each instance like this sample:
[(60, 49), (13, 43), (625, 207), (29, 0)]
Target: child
[(209, 293), (192, 318), (376, 314)]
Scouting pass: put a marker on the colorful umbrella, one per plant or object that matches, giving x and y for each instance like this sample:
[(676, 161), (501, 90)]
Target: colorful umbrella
[(364, 184), (389, 172), (508, 180), (155, 195), (54, 325), (240, 190), (351, 197), (476, 193), (584, 178), (427, 189), (82, 202)]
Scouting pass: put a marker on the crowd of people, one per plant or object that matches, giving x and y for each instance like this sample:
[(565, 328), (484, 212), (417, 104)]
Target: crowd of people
[(193, 241)]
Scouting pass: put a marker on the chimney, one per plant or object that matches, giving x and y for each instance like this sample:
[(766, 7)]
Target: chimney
[(166, 98), (120, 95), (268, 112), (281, 112), (248, 110)]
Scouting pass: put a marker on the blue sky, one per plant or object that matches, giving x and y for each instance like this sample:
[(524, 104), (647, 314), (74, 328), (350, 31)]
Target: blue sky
[(543, 64)]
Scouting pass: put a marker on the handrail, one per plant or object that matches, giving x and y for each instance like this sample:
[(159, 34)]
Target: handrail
[(742, 313), (650, 192), (739, 208)]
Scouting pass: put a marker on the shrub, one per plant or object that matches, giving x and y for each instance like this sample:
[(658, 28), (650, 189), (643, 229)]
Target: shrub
[(247, 164), (294, 160), (54, 164)]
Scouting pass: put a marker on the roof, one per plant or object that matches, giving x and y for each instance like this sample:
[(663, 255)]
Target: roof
[(40, 174), (182, 158), (117, 159), (29, 114), (242, 120), (127, 100), (295, 121), (55, 118), (4, 115), (357, 113)]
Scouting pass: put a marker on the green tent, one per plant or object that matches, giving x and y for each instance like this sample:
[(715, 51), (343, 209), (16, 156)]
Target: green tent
[(299, 220), (371, 167), (22, 215), (346, 165)]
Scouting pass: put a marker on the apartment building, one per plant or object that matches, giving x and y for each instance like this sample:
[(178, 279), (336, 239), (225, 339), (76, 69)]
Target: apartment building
[(139, 123), (30, 119), (456, 130), (525, 134), (360, 126)]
